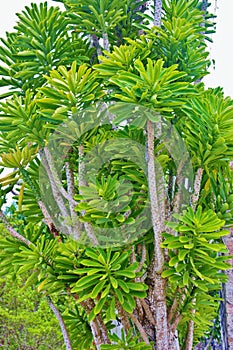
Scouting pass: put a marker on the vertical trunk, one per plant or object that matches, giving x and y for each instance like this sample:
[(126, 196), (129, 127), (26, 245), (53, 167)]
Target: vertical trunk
[(157, 292)]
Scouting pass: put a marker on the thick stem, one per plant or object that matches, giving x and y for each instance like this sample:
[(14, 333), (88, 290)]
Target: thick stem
[(61, 323), (12, 231), (156, 215), (157, 293)]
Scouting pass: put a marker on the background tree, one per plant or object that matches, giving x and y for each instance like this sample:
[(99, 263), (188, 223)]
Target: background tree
[(98, 78)]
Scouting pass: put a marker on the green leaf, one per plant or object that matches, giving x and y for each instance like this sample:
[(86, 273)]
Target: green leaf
[(97, 289)]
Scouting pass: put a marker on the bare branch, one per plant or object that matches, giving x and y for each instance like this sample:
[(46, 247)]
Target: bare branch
[(56, 192), (143, 257), (106, 42), (189, 339), (197, 187), (158, 12), (124, 317), (140, 328), (156, 215), (61, 323), (55, 178), (48, 220), (12, 231), (99, 330), (147, 312), (88, 227)]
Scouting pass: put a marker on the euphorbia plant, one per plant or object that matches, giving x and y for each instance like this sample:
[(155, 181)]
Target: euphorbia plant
[(119, 157)]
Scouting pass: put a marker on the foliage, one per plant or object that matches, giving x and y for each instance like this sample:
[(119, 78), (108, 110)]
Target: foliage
[(67, 73), (26, 320)]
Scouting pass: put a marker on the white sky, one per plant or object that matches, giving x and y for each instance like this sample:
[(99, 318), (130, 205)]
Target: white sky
[(221, 50)]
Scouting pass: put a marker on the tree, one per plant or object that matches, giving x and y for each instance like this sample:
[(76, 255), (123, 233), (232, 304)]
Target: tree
[(121, 170)]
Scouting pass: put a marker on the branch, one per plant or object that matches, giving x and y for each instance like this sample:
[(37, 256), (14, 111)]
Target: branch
[(61, 323), (177, 200), (189, 339), (158, 12), (197, 188), (140, 328), (143, 257), (48, 220), (12, 231), (106, 42), (54, 176), (88, 227), (56, 191), (156, 215), (176, 322), (124, 317), (95, 43), (147, 312), (98, 328), (71, 193)]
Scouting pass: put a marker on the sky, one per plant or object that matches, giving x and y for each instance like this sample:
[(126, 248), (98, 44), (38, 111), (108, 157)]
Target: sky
[(221, 50)]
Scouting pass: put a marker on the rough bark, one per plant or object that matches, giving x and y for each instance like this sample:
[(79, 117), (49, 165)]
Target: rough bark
[(88, 227), (98, 328), (12, 231), (157, 293), (65, 334)]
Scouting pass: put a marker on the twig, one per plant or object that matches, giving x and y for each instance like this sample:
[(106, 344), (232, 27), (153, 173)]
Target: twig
[(177, 200), (177, 320), (61, 323), (172, 310), (12, 231)]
